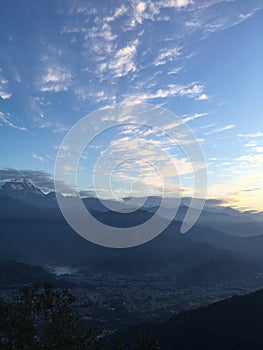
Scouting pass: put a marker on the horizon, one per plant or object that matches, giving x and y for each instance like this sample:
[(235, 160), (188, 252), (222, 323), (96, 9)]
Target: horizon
[(209, 203)]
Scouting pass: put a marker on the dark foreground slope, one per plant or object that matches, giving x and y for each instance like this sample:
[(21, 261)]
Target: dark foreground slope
[(235, 323)]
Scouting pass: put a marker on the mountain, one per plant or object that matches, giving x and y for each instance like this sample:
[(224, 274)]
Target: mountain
[(249, 247), (13, 272), (224, 219), (21, 189), (237, 224), (256, 215), (27, 192), (40, 235), (220, 269), (231, 324)]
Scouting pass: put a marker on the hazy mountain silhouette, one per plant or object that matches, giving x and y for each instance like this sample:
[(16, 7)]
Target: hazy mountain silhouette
[(13, 273), (229, 220), (40, 235)]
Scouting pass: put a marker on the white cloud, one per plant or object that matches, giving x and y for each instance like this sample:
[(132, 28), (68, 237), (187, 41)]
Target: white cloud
[(120, 11), (148, 155), (204, 20), (150, 158), (55, 79), (202, 97), (106, 33), (150, 10), (6, 120), (217, 130), (185, 119), (59, 128), (85, 92), (250, 144), (3, 80), (167, 55), (258, 149), (99, 40), (37, 157), (252, 135), (123, 61), (175, 70), (176, 3), (191, 90), (252, 159), (4, 93), (189, 118)]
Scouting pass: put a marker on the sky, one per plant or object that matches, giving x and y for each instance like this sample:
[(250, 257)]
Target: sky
[(202, 60)]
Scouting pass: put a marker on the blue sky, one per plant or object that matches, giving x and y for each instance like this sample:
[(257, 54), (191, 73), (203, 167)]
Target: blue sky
[(200, 59)]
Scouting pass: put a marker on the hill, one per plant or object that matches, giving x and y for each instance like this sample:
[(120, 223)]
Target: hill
[(13, 272), (232, 324)]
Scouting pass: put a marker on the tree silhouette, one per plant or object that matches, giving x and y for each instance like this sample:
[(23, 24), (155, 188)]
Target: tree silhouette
[(147, 342), (42, 319)]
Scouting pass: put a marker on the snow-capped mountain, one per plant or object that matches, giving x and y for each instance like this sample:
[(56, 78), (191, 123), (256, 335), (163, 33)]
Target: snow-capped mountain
[(225, 219), (20, 189), (25, 191)]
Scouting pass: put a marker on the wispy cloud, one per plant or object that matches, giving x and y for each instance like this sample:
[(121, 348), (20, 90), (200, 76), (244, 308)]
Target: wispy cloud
[(150, 10), (120, 11), (218, 130), (207, 20), (55, 78), (191, 90), (176, 3), (5, 94), (189, 118), (123, 61), (150, 160), (167, 55), (6, 120), (114, 50), (202, 97), (252, 135), (37, 157)]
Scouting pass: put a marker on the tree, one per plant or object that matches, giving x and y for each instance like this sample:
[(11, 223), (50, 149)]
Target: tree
[(147, 342), (42, 319)]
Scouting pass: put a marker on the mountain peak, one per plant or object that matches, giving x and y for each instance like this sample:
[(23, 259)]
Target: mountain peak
[(20, 189)]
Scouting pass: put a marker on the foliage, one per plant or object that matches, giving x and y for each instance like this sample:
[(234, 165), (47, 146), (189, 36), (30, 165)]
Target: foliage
[(147, 342), (42, 319)]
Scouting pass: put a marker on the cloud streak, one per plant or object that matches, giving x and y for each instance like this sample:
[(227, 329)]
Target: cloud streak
[(218, 130), (6, 120)]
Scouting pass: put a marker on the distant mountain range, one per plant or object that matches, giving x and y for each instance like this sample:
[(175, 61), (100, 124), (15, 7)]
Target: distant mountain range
[(33, 230), (225, 219)]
